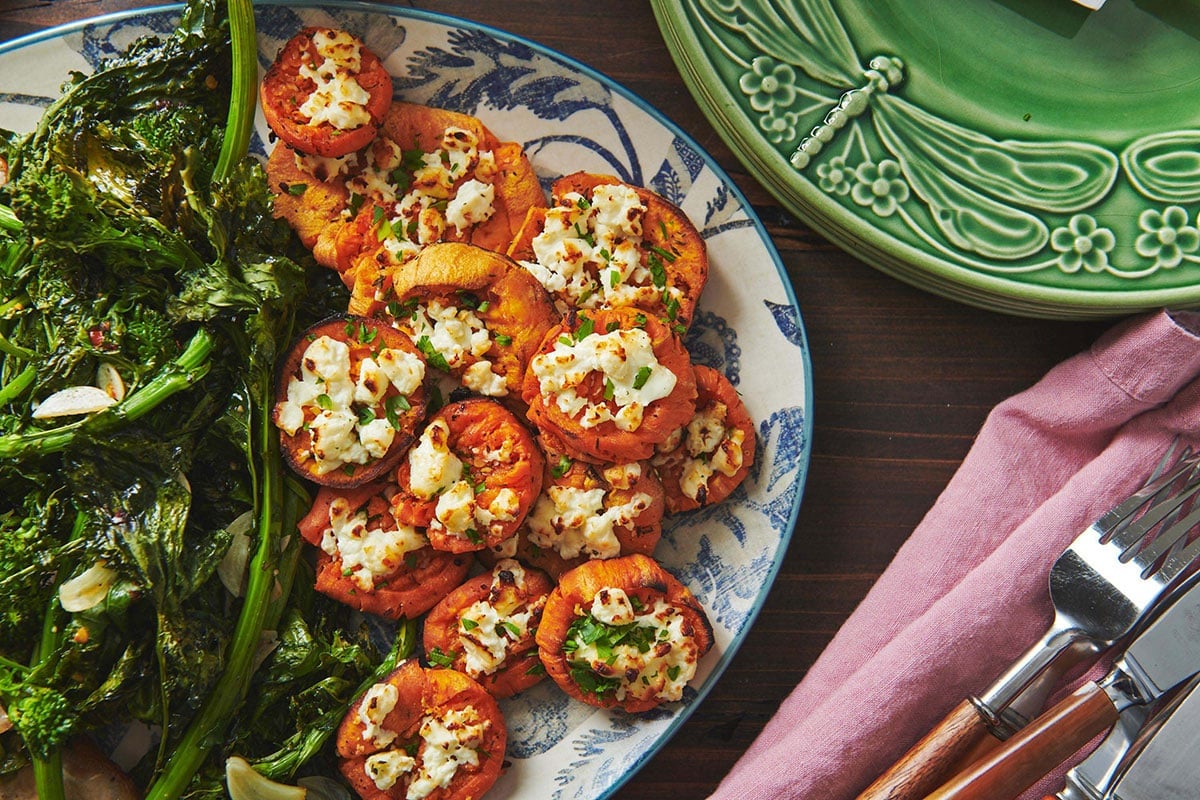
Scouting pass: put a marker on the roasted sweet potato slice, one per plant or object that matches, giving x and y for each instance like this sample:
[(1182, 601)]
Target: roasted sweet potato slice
[(471, 478), (486, 626), (433, 732), (452, 294), (605, 243), (703, 462), (369, 561), (326, 93), (622, 632), (588, 511), (611, 384), (349, 397)]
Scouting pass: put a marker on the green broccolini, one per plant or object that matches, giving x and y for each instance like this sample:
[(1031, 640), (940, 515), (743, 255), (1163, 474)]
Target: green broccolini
[(136, 233)]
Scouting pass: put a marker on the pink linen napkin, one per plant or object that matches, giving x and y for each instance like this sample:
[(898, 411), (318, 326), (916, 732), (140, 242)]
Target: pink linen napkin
[(967, 593)]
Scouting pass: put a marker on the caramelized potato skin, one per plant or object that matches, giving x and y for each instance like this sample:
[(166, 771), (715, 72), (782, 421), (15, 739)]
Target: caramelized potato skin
[(512, 305), (284, 90), (479, 427), (714, 390), (605, 443), (296, 448), (669, 237), (425, 691), (639, 576), (443, 627), (424, 578)]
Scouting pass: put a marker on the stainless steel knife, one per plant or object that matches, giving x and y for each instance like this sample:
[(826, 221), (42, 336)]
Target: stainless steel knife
[(1160, 762), (1165, 655)]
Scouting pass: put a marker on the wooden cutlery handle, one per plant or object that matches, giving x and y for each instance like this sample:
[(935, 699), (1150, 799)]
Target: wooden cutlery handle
[(934, 759), (1035, 750)]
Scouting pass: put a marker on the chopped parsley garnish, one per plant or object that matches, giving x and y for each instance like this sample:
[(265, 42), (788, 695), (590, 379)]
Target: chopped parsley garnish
[(366, 415), (504, 340), (325, 402), (297, 189), (610, 389), (506, 625), (560, 469), (666, 255), (393, 407), (658, 273), (643, 375), (438, 658), (469, 624), (586, 327), (432, 356)]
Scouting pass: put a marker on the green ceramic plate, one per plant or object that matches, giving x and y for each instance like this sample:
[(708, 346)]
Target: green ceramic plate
[(1026, 156)]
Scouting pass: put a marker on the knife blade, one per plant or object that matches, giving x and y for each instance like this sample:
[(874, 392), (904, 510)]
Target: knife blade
[(1164, 655), (1162, 762)]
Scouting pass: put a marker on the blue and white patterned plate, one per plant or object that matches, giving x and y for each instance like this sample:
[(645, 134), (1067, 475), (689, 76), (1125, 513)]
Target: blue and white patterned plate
[(569, 118)]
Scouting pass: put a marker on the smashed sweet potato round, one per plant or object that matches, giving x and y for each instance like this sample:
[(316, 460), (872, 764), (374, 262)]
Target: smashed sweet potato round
[(588, 511), (486, 628), (622, 632), (703, 462), (611, 384), (369, 561), (471, 478), (433, 733), (325, 93), (500, 312), (349, 397), (605, 243)]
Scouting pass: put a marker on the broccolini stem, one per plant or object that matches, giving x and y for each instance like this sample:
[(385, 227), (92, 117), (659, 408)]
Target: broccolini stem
[(191, 365), (244, 93), (206, 727), (47, 773), (9, 220), (17, 386)]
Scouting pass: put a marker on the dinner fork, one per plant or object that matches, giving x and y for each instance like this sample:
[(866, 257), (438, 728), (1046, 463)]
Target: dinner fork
[(1105, 583)]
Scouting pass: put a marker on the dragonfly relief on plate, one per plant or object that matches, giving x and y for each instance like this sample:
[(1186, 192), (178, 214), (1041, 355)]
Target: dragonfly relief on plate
[(976, 185)]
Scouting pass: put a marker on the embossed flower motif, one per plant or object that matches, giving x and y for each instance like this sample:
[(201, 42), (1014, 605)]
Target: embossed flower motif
[(880, 186), (1167, 236), (779, 126), (769, 84), (1083, 244), (834, 177)]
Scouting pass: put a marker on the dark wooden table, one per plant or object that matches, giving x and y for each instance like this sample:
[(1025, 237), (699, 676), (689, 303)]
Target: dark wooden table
[(902, 382)]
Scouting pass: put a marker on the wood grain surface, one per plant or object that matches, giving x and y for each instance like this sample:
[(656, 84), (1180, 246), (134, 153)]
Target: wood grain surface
[(902, 381)]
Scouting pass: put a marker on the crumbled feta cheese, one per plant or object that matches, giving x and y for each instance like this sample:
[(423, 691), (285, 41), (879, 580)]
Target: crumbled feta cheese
[(663, 669), (337, 97), (632, 375), (329, 398), (575, 522), (432, 466), (376, 704), (455, 333), (480, 378), (367, 554)]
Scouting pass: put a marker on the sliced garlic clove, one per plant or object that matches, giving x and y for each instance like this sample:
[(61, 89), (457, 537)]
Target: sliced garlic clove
[(86, 589), (232, 569), (110, 381), (73, 401), (246, 783)]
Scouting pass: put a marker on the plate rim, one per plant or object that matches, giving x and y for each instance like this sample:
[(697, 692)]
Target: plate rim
[(727, 655)]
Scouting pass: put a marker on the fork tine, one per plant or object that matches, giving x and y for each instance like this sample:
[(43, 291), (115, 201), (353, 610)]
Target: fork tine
[(1118, 524), (1140, 530), (1181, 557), (1166, 541)]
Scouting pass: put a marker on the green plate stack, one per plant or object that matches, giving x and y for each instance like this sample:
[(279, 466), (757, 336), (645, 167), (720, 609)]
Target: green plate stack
[(1030, 157)]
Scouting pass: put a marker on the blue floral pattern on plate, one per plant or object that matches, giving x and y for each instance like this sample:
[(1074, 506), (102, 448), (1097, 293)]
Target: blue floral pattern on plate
[(749, 325)]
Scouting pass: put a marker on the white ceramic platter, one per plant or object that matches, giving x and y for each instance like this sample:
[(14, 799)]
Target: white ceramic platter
[(749, 325)]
